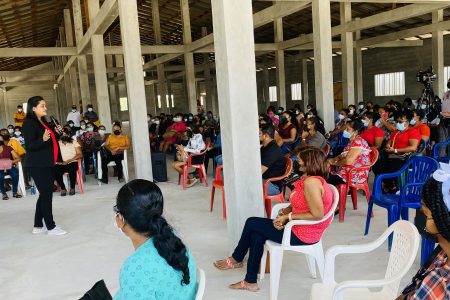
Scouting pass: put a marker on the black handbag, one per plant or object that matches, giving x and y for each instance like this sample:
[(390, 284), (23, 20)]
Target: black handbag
[(98, 292)]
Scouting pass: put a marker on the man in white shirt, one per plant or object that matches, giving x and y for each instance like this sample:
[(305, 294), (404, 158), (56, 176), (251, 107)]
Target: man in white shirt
[(75, 117)]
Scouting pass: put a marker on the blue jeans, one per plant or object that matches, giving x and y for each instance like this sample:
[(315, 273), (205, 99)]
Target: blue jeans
[(14, 173), (272, 189)]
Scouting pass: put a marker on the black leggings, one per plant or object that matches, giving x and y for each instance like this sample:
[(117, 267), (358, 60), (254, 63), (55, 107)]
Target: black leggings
[(44, 178), (72, 169)]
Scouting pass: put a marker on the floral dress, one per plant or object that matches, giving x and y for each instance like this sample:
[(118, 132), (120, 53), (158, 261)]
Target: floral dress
[(362, 160)]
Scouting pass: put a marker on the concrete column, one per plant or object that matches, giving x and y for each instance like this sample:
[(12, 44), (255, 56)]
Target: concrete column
[(101, 82), (118, 63), (72, 70), (6, 108), (208, 78), (266, 83), (348, 69), (82, 63), (305, 85), (279, 58), (113, 97), (135, 88), (438, 55), (359, 70), (236, 77), (67, 88), (323, 61)]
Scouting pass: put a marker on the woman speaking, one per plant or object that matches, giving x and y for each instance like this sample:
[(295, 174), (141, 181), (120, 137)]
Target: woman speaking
[(42, 154)]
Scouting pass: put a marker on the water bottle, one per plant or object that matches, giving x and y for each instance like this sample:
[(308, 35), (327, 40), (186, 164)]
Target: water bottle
[(33, 190)]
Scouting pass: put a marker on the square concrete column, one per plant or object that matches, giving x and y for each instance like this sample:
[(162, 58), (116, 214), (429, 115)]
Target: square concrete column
[(305, 87), (67, 87), (73, 69), (359, 69), (5, 109), (323, 61), (118, 63), (266, 83), (279, 58), (438, 54), (208, 78), (348, 69), (113, 97), (129, 29), (236, 84)]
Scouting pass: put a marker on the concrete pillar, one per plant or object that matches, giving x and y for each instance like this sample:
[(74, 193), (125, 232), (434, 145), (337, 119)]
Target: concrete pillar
[(135, 88), (279, 58), (348, 69), (101, 82), (208, 78), (118, 63), (266, 83), (6, 116), (359, 70), (82, 63), (305, 85), (67, 87), (72, 70), (438, 55), (236, 77), (323, 61), (113, 97)]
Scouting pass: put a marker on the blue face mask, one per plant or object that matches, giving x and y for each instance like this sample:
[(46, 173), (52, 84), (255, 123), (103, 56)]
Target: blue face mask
[(11, 131), (413, 122), (378, 124), (102, 132), (400, 126), (346, 134), (423, 106), (365, 123), (90, 129)]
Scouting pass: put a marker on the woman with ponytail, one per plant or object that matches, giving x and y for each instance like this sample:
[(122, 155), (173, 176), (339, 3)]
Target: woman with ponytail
[(161, 267), (432, 281)]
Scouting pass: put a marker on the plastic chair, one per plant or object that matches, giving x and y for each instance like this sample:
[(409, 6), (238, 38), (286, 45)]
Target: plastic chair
[(438, 147), (414, 174), (279, 197), (112, 164), (403, 254), (201, 283), (200, 167), (327, 150), (218, 183), (79, 177), (314, 252), (343, 188), (21, 186), (426, 248)]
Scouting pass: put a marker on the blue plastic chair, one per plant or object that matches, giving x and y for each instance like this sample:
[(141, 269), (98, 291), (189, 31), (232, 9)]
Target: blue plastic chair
[(411, 178), (426, 249), (437, 147)]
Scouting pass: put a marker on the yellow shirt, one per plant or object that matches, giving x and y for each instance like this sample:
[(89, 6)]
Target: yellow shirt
[(17, 147), (115, 141), (19, 116)]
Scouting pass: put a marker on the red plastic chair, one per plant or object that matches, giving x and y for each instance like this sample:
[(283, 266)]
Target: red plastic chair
[(327, 150), (201, 168), (343, 188), (280, 197), (218, 183)]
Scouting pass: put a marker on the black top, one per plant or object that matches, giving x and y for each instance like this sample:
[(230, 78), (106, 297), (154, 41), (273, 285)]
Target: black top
[(39, 153), (273, 159)]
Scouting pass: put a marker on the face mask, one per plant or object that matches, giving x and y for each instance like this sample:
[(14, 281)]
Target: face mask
[(71, 125), (117, 132), (365, 123), (309, 108), (413, 122), (83, 126), (17, 133), (423, 106), (280, 111), (400, 126), (297, 112), (341, 117), (156, 122), (284, 120), (346, 134), (384, 115), (176, 120), (378, 123), (351, 111), (185, 120), (361, 106), (190, 119), (90, 129), (90, 109), (11, 131), (309, 116), (102, 132), (74, 110), (19, 110)]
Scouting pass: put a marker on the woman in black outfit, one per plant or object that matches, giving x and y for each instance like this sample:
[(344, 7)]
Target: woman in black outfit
[(42, 153)]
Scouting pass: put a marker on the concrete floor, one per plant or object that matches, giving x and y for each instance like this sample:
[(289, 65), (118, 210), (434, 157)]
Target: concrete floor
[(55, 268)]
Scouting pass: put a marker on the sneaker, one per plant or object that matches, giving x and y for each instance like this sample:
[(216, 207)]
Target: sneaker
[(57, 231), (63, 193), (72, 192), (39, 230)]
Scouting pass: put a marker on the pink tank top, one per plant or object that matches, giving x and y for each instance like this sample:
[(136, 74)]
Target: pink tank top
[(310, 233)]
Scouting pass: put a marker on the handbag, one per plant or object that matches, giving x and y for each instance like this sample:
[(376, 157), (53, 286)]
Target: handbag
[(5, 164), (182, 156), (98, 292), (398, 156)]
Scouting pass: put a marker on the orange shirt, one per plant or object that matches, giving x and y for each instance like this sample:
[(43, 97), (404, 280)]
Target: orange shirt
[(423, 129), (20, 117), (115, 141)]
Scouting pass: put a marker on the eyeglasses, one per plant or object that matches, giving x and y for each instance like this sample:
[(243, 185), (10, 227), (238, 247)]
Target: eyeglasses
[(116, 210)]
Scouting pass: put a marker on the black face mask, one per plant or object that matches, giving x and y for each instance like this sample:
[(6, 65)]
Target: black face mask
[(66, 139), (189, 133), (284, 120), (306, 128), (117, 132)]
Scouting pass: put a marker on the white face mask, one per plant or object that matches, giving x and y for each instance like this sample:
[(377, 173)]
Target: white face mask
[(361, 106), (74, 110), (90, 109), (19, 110), (117, 226)]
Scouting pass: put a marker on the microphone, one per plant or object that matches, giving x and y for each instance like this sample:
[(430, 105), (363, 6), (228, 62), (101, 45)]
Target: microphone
[(54, 121)]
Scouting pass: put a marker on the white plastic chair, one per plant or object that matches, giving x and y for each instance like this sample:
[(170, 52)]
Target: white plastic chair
[(21, 186), (112, 164), (403, 253), (201, 282), (314, 253)]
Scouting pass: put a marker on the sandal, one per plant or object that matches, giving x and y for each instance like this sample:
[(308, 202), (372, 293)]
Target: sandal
[(243, 285), (219, 264), (5, 197), (16, 195)]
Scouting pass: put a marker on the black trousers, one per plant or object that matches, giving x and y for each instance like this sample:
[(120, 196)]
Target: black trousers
[(388, 165), (44, 178), (115, 158), (256, 232), (72, 169)]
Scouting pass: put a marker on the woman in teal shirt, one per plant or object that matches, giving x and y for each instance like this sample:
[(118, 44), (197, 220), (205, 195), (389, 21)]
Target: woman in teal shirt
[(161, 267)]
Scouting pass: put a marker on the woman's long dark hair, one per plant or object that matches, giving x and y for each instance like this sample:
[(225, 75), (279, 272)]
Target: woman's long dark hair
[(32, 103), (318, 125), (433, 199), (141, 204)]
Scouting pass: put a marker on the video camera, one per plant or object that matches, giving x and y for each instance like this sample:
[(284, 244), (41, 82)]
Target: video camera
[(426, 77)]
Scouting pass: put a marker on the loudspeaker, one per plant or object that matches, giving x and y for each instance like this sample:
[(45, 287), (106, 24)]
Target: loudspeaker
[(159, 167)]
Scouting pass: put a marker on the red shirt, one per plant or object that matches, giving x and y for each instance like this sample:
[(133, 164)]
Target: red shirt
[(401, 139), (6, 152), (54, 141), (371, 134), (423, 129)]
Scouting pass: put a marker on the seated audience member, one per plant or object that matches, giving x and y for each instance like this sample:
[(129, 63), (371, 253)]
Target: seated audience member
[(340, 124), (312, 135), (91, 116), (287, 131), (416, 123), (116, 144), (195, 146), (432, 281), (311, 199), (273, 163), (209, 123), (19, 116), (172, 132), (355, 154), (402, 142), (8, 163), (161, 267), (10, 129), (373, 135), (18, 135), (352, 111), (407, 104), (87, 140), (70, 153), (370, 107), (385, 122), (82, 129), (361, 109), (73, 129), (99, 140), (14, 144), (271, 114)]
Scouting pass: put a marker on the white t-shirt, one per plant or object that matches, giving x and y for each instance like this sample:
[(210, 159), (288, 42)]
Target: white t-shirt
[(75, 117), (68, 150)]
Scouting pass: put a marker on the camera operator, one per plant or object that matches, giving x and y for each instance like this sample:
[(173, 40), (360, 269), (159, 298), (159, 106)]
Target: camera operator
[(445, 113)]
